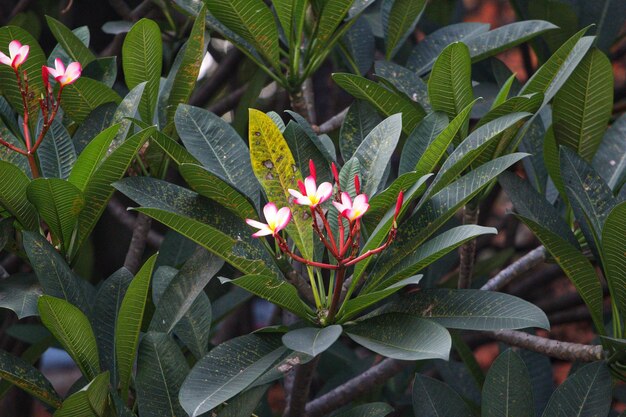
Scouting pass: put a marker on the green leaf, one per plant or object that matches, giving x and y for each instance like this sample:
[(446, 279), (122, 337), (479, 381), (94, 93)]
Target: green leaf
[(450, 83), (200, 220), (289, 13), (426, 254), (72, 329), (105, 316), (366, 410), (273, 289), (81, 34), (244, 404), (36, 59), (227, 370), (20, 293), (184, 289), (505, 37), (13, 195), (90, 401), (53, 272), (610, 158), (591, 199), (438, 147), (385, 101), (431, 215), (583, 106), (99, 190), (6, 154), (217, 146), (400, 23), (25, 376), (550, 76), (91, 157), (312, 340), (433, 398), (470, 309), (374, 153), (253, 21), (360, 120), (587, 393), (420, 139), (59, 203), (401, 336), (180, 83), (507, 391), (173, 149), (471, 148), (125, 113), (614, 256), (358, 46), (56, 153), (161, 370), (212, 186), (275, 168), (102, 69), (129, 325), (142, 53), (98, 121), (84, 96), (333, 12), (304, 148), (364, 300), (425, 53), (398, 77), (576, 267), (73, 46), (534, 206)]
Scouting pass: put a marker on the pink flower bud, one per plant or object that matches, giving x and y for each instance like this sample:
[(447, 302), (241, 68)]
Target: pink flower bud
[(399, 202), (333, 167), (312, 170)]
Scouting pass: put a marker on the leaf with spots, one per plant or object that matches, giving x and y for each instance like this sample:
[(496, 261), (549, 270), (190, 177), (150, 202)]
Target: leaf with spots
[(507, 391), (275, 168)]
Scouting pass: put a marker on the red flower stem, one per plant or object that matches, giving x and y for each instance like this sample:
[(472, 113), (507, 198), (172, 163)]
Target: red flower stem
[(331, 249), (340, 226), (390, 238), (285, 248), (13, 147), (348, 243), (332, 310), (48, 122), (24, 93), (328, 229)]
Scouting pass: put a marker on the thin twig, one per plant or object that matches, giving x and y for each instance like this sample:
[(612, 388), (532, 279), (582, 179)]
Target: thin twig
[(122, 215), (224, 71), (517, 268), (303, 102), (467, 251), (228, 102)]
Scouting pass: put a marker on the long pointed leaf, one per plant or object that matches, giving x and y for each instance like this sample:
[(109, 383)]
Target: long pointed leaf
[(507, 391), (13, 195), (614, 254)]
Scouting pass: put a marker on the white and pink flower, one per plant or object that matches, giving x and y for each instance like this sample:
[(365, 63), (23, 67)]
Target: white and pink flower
[(310, 194), (352, 210), (17, 55), (62, 75), (276, 220)]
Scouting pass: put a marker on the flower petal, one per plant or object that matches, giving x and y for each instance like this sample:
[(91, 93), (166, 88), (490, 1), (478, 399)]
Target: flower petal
[(256, 224), (282, 218), (346, 200), (340, 207), (311, 187), (360, 200), (269, 211), (59, 66), (324, 192), (4, 59), (295, 194), (263, 232), (73, 71), (14, 47)]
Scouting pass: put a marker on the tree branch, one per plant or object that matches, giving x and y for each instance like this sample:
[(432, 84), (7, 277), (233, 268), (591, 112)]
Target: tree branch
[(517, 268), (467, 251), (561, 350), (216, 81), (228, 102), (118, 210), (137, 243), (333, 123), (299, 392), (357, 386)]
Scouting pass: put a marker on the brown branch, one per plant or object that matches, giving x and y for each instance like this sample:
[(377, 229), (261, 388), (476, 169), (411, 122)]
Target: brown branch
[(303, 102), (216, 81), (121, 8), (517, 268), (554, 348), (467, 251), (137, 243), (122, 215), (333, 123), (228, 102), (299, 392), (344, 394)]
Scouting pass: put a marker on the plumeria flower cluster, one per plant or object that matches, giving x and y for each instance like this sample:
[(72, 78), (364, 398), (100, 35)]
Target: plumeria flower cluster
[(48, 103), (345, 249)]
